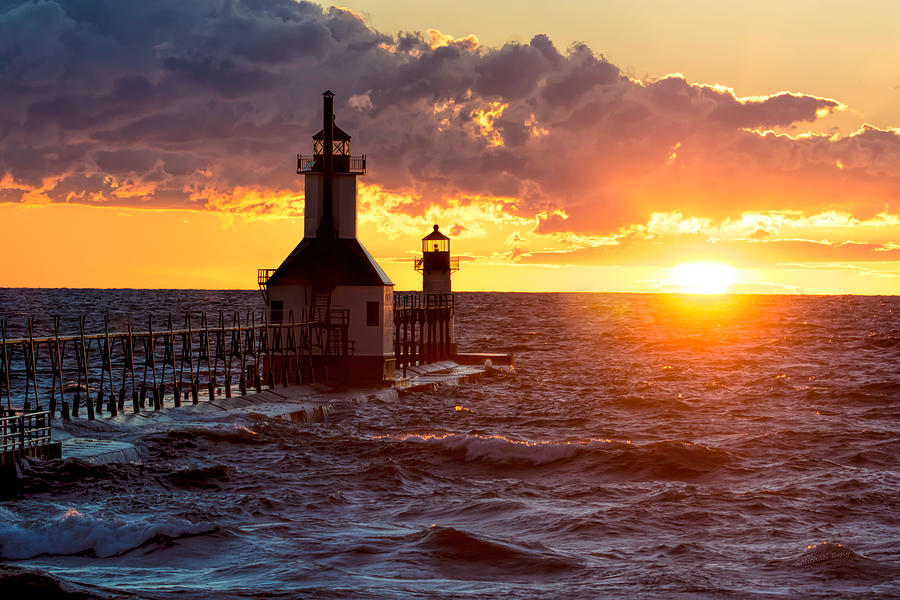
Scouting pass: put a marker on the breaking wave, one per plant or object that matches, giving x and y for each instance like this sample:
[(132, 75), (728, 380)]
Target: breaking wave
[(666, 459), (75, 533)]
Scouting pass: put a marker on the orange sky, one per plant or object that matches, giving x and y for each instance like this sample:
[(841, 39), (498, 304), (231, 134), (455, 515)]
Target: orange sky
[(164, 156)]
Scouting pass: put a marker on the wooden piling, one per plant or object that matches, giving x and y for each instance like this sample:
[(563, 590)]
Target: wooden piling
[(31, 364), (84, 365), (4, 357), (57, 368)]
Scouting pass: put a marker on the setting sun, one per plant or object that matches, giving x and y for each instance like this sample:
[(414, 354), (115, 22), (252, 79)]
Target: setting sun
[(703, 278)]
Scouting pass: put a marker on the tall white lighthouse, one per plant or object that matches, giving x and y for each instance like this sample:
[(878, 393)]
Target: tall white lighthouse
[(329, 276)]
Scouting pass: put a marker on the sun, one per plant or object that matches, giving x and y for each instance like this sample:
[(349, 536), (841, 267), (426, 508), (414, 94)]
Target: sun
[(703, 277)]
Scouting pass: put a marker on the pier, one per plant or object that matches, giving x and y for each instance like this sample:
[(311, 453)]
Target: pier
[(136, 370), (91, 374), (166, 377)]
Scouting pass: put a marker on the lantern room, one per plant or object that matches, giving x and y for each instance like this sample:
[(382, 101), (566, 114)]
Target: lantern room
[(436, 265), (436, 251), (340, 145)]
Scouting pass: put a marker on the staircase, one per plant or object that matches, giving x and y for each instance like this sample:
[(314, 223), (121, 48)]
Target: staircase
[(320, 305), (330, 332)]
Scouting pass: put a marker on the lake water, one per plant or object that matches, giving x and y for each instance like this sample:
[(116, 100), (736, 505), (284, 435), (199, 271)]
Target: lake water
[(652, 446)]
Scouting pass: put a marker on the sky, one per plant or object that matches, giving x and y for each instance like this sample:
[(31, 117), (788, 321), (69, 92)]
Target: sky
[(567, 146)]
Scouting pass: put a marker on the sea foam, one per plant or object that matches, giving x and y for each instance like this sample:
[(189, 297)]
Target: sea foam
[(74, 532)]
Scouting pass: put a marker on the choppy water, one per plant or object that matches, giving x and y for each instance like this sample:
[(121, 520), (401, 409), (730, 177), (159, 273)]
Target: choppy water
[(647, 446)]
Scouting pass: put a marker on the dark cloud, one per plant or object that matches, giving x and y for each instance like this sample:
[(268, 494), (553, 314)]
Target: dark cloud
[(184, 101), (512, 72)]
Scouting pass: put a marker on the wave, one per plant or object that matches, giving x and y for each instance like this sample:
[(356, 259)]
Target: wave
[(75, 533), (66, 475), (236, 433), (879, 341), (73, 474), (204, 478), (666, 459), (826, 552), (455, 549), (174, 443), (835, 560), (19, 582)]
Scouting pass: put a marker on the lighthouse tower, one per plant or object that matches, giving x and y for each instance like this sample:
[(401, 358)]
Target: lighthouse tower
[(329, 278), (436, 266)]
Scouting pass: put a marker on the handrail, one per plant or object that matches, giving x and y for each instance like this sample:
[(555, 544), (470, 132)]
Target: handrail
[(342, 163), (158, 334), (419, 263), (263, 275), (414, 300), (18, 432)]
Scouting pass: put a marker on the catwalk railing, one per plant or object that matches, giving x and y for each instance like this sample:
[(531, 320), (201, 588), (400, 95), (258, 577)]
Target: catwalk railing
[(19, 432), (341, 163), (112, 371), (423, 328)]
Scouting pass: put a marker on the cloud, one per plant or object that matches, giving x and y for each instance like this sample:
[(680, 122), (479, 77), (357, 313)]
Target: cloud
[(438, 39), (753, 240), (204, 104)]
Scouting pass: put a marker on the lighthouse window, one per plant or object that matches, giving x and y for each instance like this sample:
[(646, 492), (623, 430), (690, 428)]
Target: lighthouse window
[(372, 311), (276, 311)]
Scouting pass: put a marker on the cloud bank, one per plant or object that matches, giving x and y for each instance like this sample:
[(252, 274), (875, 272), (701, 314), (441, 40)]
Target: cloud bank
[(203, 105)]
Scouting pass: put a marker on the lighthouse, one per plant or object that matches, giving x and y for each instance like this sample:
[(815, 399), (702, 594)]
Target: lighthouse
[(330, 279), (436, 266)]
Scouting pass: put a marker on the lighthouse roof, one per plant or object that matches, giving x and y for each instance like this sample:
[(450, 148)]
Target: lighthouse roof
[(339, 135), (435, 235), (325, 263)]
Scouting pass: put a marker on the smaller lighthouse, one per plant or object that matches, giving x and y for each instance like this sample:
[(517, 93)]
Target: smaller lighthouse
[(436, 266)]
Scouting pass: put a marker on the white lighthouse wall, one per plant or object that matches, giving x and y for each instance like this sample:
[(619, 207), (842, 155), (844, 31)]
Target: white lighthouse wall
[(344, 191), (293, 298), (345, 208), (436, 282), (370, 340), (387, 313)]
